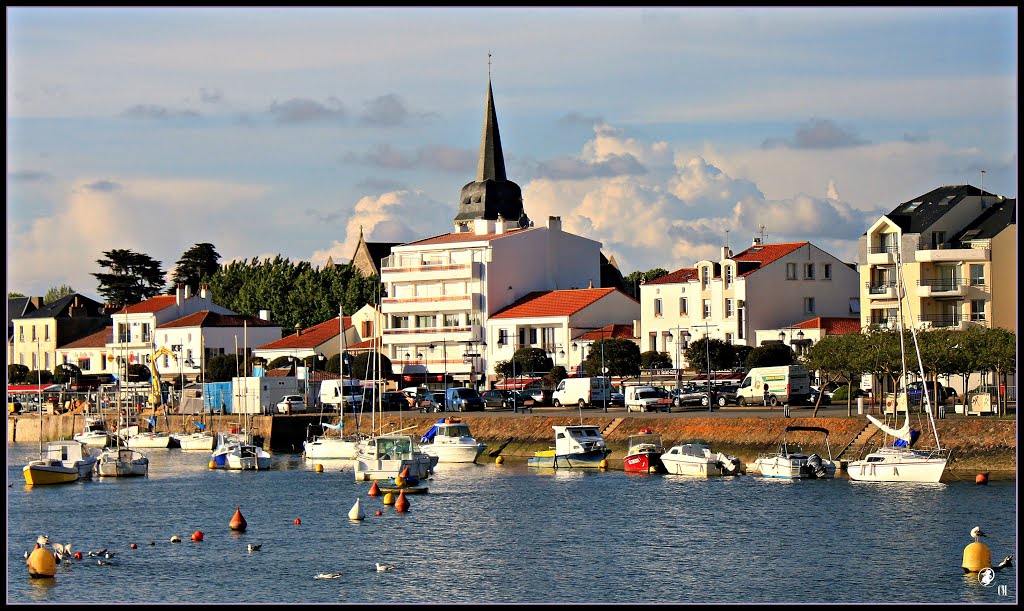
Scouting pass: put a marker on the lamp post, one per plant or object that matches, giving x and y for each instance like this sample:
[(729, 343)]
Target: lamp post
[(444, 355), (682, 341)]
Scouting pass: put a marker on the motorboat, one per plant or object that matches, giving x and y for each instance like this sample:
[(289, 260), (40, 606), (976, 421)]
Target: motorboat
[(200, 440), (644, 452), (95, 433), (696, 459), (122, 462), (237, 452), (790, 462), (149, 439), (576, 447), (331, 446), (61, 462), (450, 441), (385, 456)]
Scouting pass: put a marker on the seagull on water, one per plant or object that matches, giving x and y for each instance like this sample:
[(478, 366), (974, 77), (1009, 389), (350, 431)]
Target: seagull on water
[(42, 540), (327, 576), (101, 562), (254, 547), (381, 567), (976, 533), (99, 553), (108, 555)]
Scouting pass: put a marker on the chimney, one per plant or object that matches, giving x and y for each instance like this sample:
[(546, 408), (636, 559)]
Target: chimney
[(188, 291), (555, 223), (177, 295), (204, 291), (726, 253), (482, 226), (265, 315), (499, 225), (757, 242), (298, 329), (591, 284)]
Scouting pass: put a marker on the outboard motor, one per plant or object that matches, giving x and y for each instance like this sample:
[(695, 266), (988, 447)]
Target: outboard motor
[(729, 464), (815, 467)]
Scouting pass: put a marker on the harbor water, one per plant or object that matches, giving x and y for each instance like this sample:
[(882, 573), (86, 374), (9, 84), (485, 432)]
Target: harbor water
[(490, 533)]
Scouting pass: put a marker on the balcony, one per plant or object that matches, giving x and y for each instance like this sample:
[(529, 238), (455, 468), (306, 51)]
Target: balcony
[(954, 287), (883, 290), (941, 321), (881, 255), (953, 252), (442, 303), (392, 271)]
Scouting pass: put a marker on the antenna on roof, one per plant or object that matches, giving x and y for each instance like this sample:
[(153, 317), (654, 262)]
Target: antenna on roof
[(488, 65), (727, 238), (983, 189), (762, 233)]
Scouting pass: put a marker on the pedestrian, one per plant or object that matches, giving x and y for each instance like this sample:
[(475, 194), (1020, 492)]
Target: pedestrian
[(767, 394)]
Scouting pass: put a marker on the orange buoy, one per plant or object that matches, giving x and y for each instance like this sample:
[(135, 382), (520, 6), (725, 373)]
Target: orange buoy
[(319, 468), (499, 460), (134, 546), (374, 489), (389, 499), (298, 521), (402, 504), (404, 472), (237, 521), (212, 465), (981, 479), (379, 512), (41, 563), (197, 536), (78, 555)]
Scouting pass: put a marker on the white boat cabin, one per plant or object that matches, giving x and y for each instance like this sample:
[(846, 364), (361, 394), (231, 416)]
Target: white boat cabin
[(577, 439)]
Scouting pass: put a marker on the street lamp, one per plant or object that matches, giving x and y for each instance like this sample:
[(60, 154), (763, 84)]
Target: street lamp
[(583, 354), (444, 355), (682, 341)]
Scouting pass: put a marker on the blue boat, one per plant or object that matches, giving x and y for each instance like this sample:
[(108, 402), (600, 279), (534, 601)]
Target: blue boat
[(576, 447)]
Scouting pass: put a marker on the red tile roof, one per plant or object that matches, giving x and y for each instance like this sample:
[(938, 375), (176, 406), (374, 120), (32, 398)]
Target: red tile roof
[(832, 325), (680, 275), (153, 304), (609, 332), (309, 338), (766, 253), (465, 236), (206, 318), (98, 339), (552, 303)]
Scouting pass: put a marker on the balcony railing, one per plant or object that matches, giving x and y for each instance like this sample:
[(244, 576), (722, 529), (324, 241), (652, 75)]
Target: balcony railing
[(881, 288), (874, 250), (941, 320), (942, 284)]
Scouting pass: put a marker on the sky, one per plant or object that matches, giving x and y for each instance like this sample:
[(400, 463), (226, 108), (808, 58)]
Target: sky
[(665, 133)]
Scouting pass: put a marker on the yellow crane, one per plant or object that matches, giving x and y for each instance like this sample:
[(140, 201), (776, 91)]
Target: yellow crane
[(155, 392)]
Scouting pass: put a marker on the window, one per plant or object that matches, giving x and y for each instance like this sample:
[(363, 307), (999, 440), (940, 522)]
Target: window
[(451, 320), (33, 333), (399, 322), (791, 271), (84, 364), (808, 305), (827, 273), (367, 328), (707, 308), (657, 307), (145, 332), (728, 308), (808, 271), (46, 333), (683, 309), (502, 337), (705, 277), (728, 338), (665, 338), (424, 321), (728, 276), (533, 336), (978, 309), (522, 337), (977, 274), (21, 334), (652, 341)]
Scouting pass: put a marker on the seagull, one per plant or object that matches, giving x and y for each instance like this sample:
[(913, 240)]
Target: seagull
[(42, 540), (253, 547), (101, 562), (976, 532), (108, 555), (384, 567), (327, 576), (99, 553), (62, 549)]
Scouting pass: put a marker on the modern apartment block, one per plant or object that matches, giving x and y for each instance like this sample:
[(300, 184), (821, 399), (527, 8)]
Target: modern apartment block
[(767, 286), (958, 250)]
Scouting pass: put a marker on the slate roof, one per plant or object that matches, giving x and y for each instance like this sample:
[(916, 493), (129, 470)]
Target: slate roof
[(99, 339), (760, 255), (552, 303), (680, 275), (61, 307), (206, 318), (994, 219), (920, 213)]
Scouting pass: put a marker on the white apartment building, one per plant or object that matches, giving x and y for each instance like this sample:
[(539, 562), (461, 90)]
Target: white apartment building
[(767, 286)]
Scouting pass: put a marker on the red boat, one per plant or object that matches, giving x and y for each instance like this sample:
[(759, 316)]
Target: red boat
[(644, 453)]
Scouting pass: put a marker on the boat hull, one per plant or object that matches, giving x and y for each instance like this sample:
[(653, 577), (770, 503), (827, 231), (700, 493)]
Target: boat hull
[(149, 441), (580, 460), (242, 457), (48, 472), (95, 440), (330, 447), (122, 463), (893, 465), (781, 467), (196, 441), (647, 462), (693, 467), (367, 469), (454, 452)]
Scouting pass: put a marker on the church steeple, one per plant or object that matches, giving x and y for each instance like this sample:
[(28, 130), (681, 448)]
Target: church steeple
[(491, 195)]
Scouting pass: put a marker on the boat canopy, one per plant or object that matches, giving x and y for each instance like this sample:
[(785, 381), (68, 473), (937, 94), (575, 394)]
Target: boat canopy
[(816, 429)]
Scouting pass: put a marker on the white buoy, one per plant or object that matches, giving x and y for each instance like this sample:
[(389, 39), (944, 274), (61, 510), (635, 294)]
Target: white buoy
[(356, 513)]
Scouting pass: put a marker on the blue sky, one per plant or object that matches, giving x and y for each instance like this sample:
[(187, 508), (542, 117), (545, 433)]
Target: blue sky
[(663, 133)]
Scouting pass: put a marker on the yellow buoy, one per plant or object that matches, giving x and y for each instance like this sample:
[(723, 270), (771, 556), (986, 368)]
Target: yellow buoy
[(213, 465), (389, 498), (319, 468), (604, 463), (41, 563), (976, 557), (400, 481), (499, 460)]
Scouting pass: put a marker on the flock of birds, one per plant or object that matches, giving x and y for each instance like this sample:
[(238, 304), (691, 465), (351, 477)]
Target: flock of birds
[(62, 554)]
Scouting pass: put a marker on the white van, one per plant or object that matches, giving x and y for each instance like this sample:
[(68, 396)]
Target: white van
[(585, 392), (337, 392), (787, 384), (647, 399)]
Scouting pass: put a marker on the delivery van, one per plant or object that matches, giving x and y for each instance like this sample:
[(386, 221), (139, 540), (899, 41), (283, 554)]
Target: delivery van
[(584, 392), (342, 395), (784, 384), (647, 399)]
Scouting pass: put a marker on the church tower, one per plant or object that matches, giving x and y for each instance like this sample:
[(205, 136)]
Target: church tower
[(491, 195)]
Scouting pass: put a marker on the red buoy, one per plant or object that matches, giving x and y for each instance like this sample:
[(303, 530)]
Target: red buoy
[(78, 555), (981, 479), (237, 521), (405, 472), (298, 521), (374, 489), (402, 503), (134, 546), (197, 536), (379, 512)]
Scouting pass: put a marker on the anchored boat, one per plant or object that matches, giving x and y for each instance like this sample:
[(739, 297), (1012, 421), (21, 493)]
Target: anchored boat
[(576, 447)]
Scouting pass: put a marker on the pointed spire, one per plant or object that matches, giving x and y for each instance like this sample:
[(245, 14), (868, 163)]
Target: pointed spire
[(492, 161)]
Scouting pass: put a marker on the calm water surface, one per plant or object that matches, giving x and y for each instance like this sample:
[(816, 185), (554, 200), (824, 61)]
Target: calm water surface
[(505, 533)]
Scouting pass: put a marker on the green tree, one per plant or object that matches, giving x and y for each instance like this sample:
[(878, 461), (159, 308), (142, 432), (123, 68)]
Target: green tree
[(133, 277), (768, 355), (532, 360), (635, 279), (721, 353), (1003, 349), (221, 368), (281, 361), (364, 366), (830, 357), (652, 359), (14, 294), (57, 292), (17, 374), (41, 376), (66, 372), (195, 267), (620, 356)]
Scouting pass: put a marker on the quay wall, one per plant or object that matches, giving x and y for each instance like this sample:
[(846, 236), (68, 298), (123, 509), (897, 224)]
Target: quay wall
[(978, 444)]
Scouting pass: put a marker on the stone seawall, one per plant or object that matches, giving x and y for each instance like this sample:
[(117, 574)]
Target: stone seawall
[(977, 444)]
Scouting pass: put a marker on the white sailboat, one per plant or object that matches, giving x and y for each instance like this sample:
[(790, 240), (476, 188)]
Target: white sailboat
[(153, 438), (337, 445), (120, 460), (237, 451), (900, 461)]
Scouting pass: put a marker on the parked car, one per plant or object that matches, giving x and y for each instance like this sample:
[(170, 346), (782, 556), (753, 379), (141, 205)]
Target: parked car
[(503, 398), (692, 394), (540, 396), (915, 394), (463, 399), (725, 394), (616, 399), (826, 399), (394, 400), (290, 404)]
